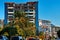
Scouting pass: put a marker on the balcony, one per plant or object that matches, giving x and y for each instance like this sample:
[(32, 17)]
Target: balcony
[(10, 15), (10, 7), (29, 15), (32, 21), (31, 8), (30, 12), (10, 12), (10, 19)]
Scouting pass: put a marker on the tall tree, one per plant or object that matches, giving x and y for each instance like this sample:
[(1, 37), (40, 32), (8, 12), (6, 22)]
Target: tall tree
[(23, 22), (19, 26)]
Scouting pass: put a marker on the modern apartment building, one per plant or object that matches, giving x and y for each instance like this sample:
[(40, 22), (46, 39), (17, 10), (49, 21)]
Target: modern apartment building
[(30, 8)]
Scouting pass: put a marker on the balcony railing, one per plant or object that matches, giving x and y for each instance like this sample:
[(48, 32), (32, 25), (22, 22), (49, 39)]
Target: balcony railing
[(10, 7), (10, 12)]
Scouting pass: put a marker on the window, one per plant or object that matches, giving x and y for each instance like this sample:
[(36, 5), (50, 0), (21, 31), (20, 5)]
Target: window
[(10, 13), (10, 10), (31, 10), (30, 7), (25, 7), (10, 5), (30, 16), (25, 4), (10, 17), (25, 10), (30, 20), (30, 4), (30, 13)]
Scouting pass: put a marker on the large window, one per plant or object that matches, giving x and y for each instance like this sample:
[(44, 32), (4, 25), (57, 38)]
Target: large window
[(25, 10), (31, 10), (30, 20), (31, 7), (25, 7), (10, 5), (10, 13), (10, 16), (10, 10), (30, 13), (30, 16)]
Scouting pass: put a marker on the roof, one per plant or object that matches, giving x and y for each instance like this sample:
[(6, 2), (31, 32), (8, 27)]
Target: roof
[(31, 2), (45, 21)]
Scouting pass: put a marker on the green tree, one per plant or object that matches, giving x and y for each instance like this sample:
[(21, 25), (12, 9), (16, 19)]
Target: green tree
[(1, 28), (41, 33), (23, 22), (19, 26), (19, 13), (10, 30)]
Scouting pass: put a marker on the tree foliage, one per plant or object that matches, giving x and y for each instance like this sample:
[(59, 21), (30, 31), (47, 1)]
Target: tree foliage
[(23, 22), (41, 35), (9, 30), (19, 26)]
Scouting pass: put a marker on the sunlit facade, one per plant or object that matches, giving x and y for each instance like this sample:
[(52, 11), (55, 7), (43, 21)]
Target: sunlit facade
[(30, 8)]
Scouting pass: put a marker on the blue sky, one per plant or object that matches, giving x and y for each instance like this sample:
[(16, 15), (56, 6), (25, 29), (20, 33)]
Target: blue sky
[(48, 9)]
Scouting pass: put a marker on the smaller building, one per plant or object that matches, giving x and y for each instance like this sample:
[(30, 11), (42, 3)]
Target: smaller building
[(54, 30), (45, 25), (57, 28)]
